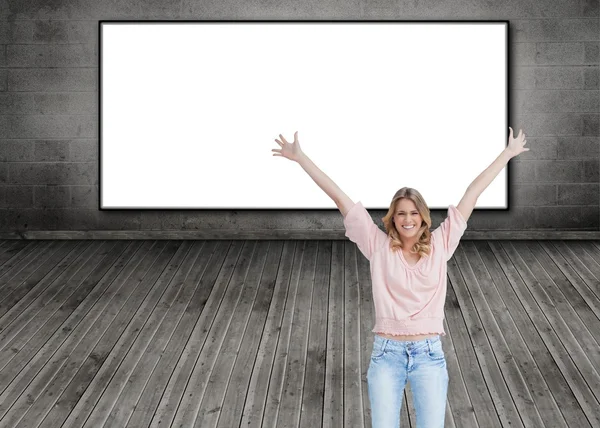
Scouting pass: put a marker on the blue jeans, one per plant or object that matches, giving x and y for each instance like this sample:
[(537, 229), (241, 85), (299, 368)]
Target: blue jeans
[(395, 362)]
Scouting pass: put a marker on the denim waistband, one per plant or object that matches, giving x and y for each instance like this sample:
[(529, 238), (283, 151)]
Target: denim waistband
[(404, 344)]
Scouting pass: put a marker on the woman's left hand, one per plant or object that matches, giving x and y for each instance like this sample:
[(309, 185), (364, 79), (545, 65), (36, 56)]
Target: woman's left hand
[(515, 145)]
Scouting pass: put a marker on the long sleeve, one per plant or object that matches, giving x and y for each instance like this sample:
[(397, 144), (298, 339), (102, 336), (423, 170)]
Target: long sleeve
[(362, 230), (450, 231)]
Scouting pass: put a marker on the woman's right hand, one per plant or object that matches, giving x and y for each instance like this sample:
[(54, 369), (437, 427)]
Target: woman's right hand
[(291, 151)]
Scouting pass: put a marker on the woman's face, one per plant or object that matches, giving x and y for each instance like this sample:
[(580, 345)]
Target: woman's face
[(407, 215)]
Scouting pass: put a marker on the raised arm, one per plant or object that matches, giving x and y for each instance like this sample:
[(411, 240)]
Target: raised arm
[(294, 152), (483, 180)]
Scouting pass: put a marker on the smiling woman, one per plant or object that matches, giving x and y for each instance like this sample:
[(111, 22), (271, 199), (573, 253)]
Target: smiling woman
[(409, 282)]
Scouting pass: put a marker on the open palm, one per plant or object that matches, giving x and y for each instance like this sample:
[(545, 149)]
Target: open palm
[(291, 151), (515, 145)]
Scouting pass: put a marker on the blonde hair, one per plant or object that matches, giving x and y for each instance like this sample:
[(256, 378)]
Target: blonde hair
[(423, 245)]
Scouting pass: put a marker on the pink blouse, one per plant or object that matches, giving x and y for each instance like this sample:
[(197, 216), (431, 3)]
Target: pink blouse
[(409, 300)]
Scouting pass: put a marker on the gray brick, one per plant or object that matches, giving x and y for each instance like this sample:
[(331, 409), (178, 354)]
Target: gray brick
[(579, 194), (534, 194), (522, 171), (65, 31), (590, 171), (517, 218), (559, 53), (591, 52), (590, 124), (2, 201), (2, 56), (559, 171), (52, 196), (119, 220), (16, 103), (522, 78), (84, 196), (16, 32), (559, 29), (558, 78), (38, 126), (51, 173), (578, 147), (540, 148), (16, 150), (591, 217), (522, 54), (53, 80), (19, 196), (551, 124), (56, 218), (3, 80), (565, 217), (82, 55), (80, 10), (84, 151), (3, 173), (590, 77), (589, 8), (557, 101), (66, 103), (152, 220), (51, 150)]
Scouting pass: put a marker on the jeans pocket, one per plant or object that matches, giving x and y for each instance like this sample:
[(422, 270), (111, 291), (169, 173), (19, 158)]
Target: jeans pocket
[(435, 351), (378, 351)]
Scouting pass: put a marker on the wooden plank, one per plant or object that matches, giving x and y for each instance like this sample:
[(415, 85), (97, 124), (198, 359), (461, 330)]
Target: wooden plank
[(71, 332), (15, 334), (581, 343), (190, 404), (135, 328), (41, 283), (211, 259), (333, 404), (247, 353), (96, 358), (507, 346), (256, 398), (220, 379), (501, 397), (477, 388), (314, 378), (548, 352), (583, 259), (575, 306), (18, 258), (276, 383), (525, 285), (447, 346), (210, 403), (526, 346), (366, 317), (293, 384), (26, 276), (353, 400), (206, 337), (93, 327), (118, 399), (28, 383), (43, 391), (462, 411)]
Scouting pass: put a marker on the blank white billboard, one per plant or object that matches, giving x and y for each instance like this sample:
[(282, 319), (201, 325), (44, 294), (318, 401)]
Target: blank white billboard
[(189, 112)]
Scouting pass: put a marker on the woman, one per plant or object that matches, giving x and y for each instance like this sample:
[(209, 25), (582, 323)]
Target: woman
[(408, 272)]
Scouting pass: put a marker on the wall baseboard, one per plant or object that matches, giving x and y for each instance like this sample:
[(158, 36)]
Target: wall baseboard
[(273, 234)]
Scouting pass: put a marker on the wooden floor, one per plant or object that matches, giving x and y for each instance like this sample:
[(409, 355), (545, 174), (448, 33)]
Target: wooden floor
[(278, 334)]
